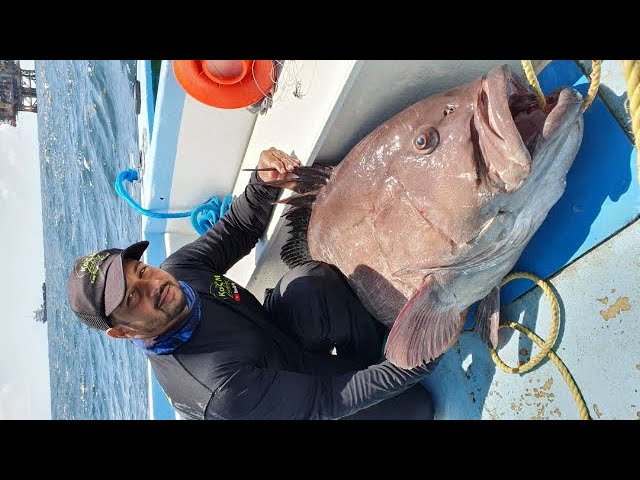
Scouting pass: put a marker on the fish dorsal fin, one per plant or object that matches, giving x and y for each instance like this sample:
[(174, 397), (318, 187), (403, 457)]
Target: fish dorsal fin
[(307, 182), (426, 327), (487, 317)]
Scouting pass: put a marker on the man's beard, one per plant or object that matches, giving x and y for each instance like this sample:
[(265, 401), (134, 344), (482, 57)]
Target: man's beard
[(176, 309)]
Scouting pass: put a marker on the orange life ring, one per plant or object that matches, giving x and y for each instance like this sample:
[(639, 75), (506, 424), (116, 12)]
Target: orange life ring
[(242, 85)]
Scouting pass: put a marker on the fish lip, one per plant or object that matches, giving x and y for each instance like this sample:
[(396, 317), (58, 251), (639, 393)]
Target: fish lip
[(500, 86), (507, 96), (493, 115)]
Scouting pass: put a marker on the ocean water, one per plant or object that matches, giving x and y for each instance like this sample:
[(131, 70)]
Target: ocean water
[(87, 131)]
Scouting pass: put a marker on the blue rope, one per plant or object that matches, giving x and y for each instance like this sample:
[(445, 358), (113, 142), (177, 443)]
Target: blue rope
[(203, 217)]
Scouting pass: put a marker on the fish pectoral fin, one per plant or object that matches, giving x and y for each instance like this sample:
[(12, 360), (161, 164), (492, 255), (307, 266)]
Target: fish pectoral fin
[(487, 317), (426, 327)]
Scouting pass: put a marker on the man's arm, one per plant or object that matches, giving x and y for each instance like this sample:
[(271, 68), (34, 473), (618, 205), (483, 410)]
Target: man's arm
[(237, 232), (256, 393)]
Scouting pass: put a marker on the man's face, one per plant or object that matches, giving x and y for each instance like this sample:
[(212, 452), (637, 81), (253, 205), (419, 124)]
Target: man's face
[(153, 301)]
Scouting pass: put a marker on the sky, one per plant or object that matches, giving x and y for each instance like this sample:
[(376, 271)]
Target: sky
[(24, 359)]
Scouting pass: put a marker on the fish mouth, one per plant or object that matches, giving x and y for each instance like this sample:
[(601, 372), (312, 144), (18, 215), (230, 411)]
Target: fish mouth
[(532, 122), (512, 127)]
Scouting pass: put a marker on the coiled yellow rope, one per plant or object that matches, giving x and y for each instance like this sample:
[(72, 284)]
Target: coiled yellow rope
[(632, 78), (545, 347)]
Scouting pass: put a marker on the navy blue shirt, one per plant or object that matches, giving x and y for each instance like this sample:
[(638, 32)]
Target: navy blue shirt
[(237, 364)]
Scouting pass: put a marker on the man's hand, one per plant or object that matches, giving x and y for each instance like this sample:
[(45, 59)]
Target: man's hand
[(282, 164)]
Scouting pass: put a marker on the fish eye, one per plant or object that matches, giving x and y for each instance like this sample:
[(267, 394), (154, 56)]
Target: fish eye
[(427, 141)]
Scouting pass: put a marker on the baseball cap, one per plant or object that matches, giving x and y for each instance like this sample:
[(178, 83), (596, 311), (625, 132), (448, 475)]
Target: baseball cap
[(96, 285)]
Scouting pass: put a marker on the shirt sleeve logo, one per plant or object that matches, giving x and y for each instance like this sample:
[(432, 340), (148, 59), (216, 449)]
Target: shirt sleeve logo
[(224, 289)]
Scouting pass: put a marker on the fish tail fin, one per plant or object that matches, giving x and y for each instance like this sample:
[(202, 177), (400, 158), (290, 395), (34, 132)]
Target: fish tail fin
[(308, 183), (487, 317), (427, 326)]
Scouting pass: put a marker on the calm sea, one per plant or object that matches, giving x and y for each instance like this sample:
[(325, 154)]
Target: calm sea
[(87, 129)]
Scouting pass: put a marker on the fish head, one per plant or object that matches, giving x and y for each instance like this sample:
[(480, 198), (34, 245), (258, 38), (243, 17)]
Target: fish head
[(489, 131), (443, 165)]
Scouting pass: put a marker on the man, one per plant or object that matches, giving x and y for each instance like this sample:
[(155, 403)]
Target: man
[(311, 352)]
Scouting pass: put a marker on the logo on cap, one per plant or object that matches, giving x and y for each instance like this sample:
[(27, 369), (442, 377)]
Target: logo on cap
[(91, 265)]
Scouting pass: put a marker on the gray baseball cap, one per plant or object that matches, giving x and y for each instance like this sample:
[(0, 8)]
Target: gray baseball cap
[(96, 286)]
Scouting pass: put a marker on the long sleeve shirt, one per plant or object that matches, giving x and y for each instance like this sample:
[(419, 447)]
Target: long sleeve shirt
[(237, 363)]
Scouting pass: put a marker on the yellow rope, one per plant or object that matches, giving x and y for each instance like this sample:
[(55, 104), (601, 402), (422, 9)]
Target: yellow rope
[(545, 347), (595, 83), (533, 80), (632, 77), (530, 73)]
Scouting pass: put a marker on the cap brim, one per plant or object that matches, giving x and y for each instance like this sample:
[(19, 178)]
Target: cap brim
[(115, 286), (135, 251)]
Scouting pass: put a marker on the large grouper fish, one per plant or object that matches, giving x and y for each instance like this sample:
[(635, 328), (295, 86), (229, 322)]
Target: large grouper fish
[(429, 211)]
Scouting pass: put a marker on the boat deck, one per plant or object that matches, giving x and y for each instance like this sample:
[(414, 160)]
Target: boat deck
[(587, 248)]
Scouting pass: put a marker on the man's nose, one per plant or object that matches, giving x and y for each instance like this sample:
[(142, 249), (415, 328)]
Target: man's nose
[(149, 287)]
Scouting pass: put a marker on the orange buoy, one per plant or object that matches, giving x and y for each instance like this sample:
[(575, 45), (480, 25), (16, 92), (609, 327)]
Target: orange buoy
[(225, 83)]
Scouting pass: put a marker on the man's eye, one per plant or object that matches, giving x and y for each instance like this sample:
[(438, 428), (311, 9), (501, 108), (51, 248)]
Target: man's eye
[(142, 270)]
